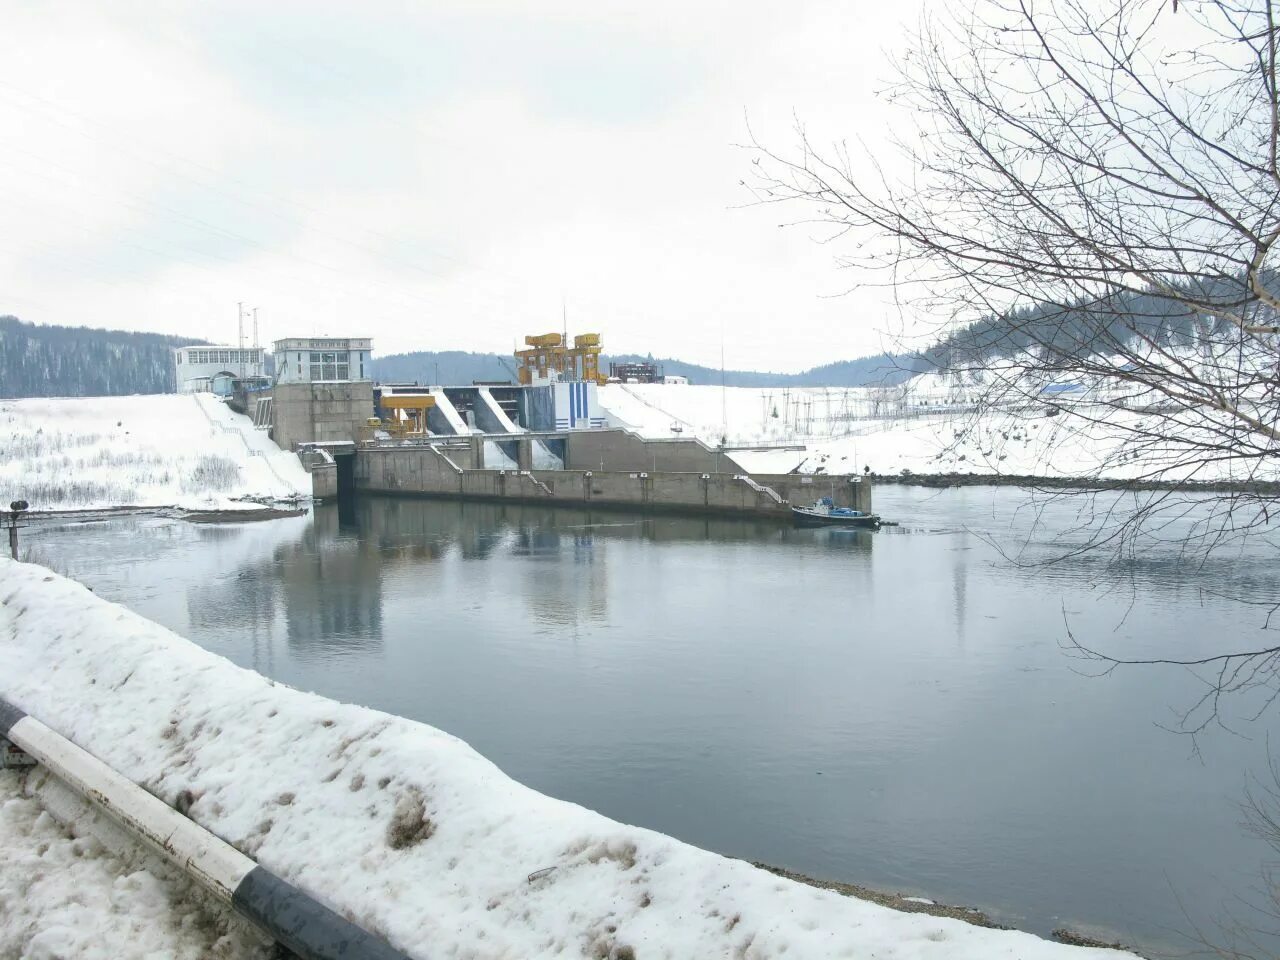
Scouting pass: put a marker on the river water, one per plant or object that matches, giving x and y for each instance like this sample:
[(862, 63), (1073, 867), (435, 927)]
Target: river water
[(898, 709)]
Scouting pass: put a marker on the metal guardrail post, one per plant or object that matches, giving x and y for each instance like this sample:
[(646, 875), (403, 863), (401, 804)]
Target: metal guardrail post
[(16, 509), (288, 915)]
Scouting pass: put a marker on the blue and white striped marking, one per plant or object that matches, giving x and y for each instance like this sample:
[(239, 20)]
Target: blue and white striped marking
[(573, 406)]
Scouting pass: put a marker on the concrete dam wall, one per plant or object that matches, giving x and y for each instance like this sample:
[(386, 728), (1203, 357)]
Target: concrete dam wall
[(426, 471)]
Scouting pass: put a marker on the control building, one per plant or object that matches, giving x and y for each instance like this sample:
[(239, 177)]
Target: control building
[(211, 369), (322, 392), (323, 359)]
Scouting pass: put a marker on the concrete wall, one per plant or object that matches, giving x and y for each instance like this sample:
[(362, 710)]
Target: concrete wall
[(324, 481), (424, 471), (620, 450), (803, 489), (320, 412)]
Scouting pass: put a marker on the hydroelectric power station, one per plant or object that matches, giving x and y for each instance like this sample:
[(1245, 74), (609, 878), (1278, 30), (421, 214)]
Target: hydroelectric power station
[(545, 438)]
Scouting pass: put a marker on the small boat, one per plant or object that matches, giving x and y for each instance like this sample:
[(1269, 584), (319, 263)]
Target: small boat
[(824, 513)]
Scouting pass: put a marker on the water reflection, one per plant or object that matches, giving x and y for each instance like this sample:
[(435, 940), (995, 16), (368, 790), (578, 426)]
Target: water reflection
[(332, 586)]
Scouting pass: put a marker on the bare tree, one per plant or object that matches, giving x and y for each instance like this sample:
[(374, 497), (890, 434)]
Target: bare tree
[(1088, 204)]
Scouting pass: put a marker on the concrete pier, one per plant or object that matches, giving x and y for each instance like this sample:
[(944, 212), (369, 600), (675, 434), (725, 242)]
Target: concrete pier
[(319, 412)]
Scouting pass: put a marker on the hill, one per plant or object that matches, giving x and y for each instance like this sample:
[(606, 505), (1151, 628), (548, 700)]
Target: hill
[(1061, 333), (53, 361), (458, 367)]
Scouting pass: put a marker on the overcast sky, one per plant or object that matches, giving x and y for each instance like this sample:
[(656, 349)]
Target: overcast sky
[(436, 175)]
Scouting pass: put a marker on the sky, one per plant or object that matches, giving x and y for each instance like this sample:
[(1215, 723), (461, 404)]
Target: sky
[(448, 175)]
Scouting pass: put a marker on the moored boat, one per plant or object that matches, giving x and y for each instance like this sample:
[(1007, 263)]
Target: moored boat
[(824, 513)]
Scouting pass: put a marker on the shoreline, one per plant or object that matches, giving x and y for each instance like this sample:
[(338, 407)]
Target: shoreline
[(1093, 484), (915, 904), (937, 481), (211, 515)]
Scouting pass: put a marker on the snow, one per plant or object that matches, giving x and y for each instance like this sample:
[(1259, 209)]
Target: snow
[(927, 426), (64, 895), (406, 829), (185, 450)]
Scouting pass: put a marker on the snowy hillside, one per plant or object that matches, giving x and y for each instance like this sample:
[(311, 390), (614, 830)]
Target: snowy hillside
[(406, 829), (186, 450), (926, 426)]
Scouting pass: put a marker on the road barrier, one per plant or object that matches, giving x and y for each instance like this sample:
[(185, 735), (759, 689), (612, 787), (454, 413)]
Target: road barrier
[(288, 915)]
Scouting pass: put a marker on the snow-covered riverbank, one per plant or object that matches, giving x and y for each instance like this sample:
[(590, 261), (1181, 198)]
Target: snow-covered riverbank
[(407, 829), (183, 450), (849, 430)]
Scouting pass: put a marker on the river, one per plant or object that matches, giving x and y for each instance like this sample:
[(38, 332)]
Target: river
[(898, 709)]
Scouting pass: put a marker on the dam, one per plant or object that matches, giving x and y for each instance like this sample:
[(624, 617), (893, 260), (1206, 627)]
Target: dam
[(543, 440)]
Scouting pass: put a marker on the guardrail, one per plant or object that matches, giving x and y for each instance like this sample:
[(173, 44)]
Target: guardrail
[(288, 915)]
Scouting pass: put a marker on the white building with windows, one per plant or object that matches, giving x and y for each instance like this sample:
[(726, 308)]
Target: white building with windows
[(323, 359), (203, 369)]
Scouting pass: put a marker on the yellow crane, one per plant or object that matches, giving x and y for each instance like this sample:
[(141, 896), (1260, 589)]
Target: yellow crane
[(410, 412), (547, 353)]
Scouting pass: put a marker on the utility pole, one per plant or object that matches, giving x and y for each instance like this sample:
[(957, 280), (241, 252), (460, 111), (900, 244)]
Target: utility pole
[(724, 402), (240, 325)]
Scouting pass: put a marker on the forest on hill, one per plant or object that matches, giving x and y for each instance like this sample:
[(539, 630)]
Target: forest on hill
[(53, 361), (1084, 328)]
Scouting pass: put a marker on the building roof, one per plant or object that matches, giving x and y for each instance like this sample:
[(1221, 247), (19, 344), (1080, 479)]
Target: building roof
[(305, 343), (215, 346)]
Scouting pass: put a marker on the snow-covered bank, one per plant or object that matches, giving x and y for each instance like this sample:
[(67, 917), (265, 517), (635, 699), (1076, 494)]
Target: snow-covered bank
[(847, 430), (405, 828), (187, 450), (63, 895)]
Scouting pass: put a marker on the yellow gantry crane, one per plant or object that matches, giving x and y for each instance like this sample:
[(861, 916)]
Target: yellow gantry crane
[(409, 412), (548, 354)]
